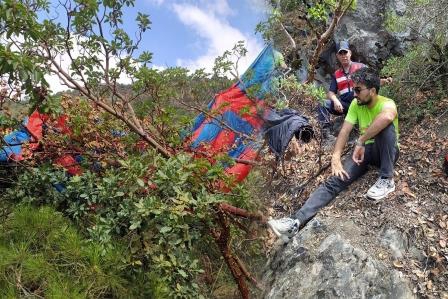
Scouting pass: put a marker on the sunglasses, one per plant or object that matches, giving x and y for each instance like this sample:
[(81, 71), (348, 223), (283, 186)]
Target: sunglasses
[(359, 89), (342, 52)]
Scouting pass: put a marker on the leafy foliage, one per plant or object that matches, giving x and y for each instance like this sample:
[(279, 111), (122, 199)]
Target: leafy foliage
[(163, 208), (304, 21), (164, 212), (422, 73)]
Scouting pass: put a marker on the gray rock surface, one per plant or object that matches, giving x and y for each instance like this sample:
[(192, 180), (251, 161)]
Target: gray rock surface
[(327, 260), (370, 42), (394, 240)]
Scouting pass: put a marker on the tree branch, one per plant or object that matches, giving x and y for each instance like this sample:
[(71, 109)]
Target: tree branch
[(323, 39)]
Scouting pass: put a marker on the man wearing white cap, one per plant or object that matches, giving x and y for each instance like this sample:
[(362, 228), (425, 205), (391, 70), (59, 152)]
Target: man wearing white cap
[(340, 93)]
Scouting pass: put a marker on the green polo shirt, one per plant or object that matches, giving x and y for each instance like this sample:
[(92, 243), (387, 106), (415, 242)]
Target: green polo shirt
[(364, 116)]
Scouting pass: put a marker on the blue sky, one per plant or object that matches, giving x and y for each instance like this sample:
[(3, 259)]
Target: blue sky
[(190, 33)]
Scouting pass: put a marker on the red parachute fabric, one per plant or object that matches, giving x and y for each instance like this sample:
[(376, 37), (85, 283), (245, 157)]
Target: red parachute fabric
[(234, 121)]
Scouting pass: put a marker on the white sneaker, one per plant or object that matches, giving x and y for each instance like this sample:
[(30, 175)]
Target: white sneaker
[(381, 189), (284, 228)]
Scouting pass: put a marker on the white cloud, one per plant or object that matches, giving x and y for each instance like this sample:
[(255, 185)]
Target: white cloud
[(64, 61), (156, 2), (217, 35), (159, 67), (219, 7), (259, 6)]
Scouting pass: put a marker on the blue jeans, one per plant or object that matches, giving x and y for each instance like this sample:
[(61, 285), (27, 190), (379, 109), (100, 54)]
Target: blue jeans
[(324, 109), (383, 154)]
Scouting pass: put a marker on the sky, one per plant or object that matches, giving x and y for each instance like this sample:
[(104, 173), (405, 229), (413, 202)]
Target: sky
[(192, 33)]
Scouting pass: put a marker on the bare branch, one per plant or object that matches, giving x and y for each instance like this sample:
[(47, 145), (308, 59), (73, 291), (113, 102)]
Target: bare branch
[(323, 39), (289, 37)]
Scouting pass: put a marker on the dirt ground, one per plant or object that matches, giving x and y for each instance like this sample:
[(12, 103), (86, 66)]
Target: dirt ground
[(418, 207)]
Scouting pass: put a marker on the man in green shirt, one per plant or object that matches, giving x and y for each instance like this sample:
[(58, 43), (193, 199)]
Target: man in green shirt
[(377, 145)]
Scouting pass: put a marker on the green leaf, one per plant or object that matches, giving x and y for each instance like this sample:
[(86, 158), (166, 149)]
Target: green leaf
[(165, 229), (135, 225), (140, 182), (182, 273)]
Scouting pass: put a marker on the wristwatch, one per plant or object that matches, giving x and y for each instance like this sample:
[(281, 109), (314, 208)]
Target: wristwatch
[(359, 143)]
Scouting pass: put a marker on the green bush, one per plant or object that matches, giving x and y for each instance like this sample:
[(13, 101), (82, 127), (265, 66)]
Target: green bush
[(418, 84), (164, 212), (421, 74)]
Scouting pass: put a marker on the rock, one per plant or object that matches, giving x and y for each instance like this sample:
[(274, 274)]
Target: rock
[(370, 42), (395, 241), (325, 261)]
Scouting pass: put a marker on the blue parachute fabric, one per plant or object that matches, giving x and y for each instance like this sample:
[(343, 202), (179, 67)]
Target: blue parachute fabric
[(208, 133), (13, 143), (59, 187), (198, 121), (238, 148), (236, 116), (235, 122), (261, 72), (211, 130)]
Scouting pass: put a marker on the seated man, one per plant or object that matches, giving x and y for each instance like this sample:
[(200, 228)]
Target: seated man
[(340, 93), (377, 145)]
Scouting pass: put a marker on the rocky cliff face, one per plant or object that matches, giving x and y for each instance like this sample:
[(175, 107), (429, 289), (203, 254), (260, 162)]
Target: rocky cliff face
[(330, 258), (370, 42)]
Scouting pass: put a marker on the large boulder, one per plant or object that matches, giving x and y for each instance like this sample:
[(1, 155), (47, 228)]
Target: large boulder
[(370, 42), (329, 258), (365, 29)]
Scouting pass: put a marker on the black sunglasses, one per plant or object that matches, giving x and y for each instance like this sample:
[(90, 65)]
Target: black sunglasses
[(359, 89), (342, 52)]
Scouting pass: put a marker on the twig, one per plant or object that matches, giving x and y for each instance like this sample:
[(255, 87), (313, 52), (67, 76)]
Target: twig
[(323, 168), (227, 208), (216, 279), (248, 275), (323, 39), (222, 239)]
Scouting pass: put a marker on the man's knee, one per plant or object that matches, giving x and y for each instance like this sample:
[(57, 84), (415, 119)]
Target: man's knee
[(388, 135), (334, 185)]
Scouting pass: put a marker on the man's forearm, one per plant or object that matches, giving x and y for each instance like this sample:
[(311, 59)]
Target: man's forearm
[(332, 96), (379, 123)]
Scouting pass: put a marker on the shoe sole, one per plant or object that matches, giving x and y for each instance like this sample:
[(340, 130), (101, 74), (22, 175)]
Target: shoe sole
[(379, 199), (276, 232), (285, 239)]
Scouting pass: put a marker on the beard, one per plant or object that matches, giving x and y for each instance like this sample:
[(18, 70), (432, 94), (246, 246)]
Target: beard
[(364, 103)]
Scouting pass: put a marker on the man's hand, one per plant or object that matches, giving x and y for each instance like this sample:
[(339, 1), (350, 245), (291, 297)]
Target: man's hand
[(337, 169), (384, 81), (338, 106), (358, 154)]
